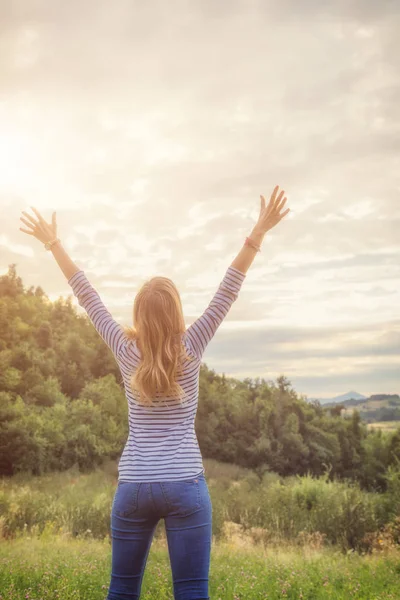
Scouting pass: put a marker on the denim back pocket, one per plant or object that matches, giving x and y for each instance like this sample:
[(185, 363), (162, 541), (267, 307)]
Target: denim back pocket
[(126, 498), (182, 497)]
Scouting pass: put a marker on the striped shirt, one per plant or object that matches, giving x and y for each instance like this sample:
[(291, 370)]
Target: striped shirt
[(162, 444)]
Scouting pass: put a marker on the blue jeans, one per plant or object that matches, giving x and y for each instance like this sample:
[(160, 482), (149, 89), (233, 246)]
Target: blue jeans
[(186, 509)]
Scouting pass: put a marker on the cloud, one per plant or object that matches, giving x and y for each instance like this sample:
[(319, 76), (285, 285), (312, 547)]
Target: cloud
[(152, 129)]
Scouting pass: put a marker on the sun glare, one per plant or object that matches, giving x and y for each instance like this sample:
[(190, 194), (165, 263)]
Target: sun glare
[(16, 157)]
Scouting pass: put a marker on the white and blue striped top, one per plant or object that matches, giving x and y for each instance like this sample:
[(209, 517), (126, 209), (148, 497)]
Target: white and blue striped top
[(162, 444)]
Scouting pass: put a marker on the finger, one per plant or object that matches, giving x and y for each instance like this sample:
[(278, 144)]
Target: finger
[(274, 193), (39, 216), (53, 220), (29, 217), (26, 231), (27, 222), (262, 202), (281, 205), (284, 214), (279, 198)]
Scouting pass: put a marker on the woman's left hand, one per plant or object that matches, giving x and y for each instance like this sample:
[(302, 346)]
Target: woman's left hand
[(44, 232)]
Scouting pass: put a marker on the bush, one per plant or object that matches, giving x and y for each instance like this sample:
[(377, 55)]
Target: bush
[(297, 510)]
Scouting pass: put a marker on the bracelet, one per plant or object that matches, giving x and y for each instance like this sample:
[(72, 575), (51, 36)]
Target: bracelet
[(48, 245), (249, 242)]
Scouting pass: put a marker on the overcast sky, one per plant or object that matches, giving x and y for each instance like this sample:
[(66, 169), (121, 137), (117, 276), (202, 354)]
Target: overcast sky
[(153, 127)]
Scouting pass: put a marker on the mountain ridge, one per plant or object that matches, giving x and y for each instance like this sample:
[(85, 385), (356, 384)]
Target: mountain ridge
[(352, 395)]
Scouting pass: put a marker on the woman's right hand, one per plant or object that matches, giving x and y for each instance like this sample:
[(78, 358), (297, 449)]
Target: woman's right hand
[(270, 215)]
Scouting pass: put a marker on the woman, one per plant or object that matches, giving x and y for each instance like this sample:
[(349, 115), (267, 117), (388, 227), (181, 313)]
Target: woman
[(160, 473)]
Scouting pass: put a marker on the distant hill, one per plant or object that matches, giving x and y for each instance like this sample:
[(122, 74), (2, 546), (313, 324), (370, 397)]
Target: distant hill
[(378, 408), (341, 399)]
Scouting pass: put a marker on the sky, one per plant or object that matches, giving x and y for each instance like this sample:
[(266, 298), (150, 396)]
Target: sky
[(152, 128)]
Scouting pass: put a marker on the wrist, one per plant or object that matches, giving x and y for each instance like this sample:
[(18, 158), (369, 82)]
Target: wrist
[(257, 235), (51, 244)]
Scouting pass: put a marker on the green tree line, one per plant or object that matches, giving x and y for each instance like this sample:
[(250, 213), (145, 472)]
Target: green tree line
[(62, 403)]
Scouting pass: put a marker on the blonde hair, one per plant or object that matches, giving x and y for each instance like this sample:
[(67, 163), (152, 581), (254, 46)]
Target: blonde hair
[(159, 325)]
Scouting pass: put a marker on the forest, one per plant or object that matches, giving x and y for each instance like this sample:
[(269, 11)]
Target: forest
[(62, 404)]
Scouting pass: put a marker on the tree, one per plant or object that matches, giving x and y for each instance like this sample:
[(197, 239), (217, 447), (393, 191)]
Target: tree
[(44, 335), (11, 284)]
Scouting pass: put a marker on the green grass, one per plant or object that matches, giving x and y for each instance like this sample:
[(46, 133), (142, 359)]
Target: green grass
[(54, 566), (384, 425), (275, 508), (294, 538)]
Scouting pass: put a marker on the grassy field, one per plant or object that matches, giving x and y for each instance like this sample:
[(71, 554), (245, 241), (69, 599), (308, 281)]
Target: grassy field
[(385, 425), (297, 538), (52, 567)]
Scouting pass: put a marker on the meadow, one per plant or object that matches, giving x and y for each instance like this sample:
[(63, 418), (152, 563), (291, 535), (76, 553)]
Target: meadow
[(384, 425), (298, 538), (55, 567)]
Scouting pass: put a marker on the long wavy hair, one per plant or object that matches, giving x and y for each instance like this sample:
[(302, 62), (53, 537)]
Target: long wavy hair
[(158, 328)]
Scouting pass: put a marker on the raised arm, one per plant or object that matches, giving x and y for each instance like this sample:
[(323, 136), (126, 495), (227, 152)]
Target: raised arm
[(200, 333), (269, 217), (203, 329), (111, 332)]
